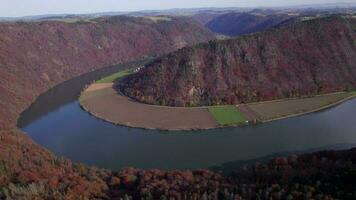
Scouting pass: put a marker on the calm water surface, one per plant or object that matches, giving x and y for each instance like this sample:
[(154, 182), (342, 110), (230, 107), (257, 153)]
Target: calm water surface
[(57, 122)]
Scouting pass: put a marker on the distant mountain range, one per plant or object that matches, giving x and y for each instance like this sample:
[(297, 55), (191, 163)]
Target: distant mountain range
[(324, 6), (185, 11)]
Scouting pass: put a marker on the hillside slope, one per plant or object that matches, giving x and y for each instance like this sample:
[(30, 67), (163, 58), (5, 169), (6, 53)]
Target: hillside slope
[(233, 24), (299, 59), (35, 56)]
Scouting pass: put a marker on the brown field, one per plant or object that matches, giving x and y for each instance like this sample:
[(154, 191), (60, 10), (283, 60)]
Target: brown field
[(103, 101), (273, 110), (250, 114), (108, 105)]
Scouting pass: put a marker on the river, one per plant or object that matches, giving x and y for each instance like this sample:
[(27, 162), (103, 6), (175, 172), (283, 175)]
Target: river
[(56, 121)]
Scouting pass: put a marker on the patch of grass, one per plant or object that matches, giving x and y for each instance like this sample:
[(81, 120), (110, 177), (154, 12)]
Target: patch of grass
[(227, 115), (115, 77)]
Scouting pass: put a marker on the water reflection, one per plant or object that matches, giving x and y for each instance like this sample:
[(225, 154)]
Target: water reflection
[(64, 128)]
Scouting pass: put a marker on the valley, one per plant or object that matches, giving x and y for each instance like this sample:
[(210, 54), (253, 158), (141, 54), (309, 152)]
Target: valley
[(69, 131), (164, 94), (37, 55)]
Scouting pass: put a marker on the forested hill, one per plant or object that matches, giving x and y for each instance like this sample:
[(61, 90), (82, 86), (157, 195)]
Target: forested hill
[(38, 54), (298, 59)]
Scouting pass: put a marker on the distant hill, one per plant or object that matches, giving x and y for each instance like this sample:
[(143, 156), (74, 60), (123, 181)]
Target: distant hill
[(233, 24), (204, 14), (325, 6), (205, 17), (299, 59)]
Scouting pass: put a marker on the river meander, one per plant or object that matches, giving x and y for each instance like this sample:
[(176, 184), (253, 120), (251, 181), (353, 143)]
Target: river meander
[(57, 122)]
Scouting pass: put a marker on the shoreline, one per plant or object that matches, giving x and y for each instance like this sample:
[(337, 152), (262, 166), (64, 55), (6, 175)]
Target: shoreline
[(313, 111), (143, 128), (106, 114)]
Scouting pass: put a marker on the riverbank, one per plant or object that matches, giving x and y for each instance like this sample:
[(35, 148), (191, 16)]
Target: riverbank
[(103, 101), (70, 128), (281, 109)]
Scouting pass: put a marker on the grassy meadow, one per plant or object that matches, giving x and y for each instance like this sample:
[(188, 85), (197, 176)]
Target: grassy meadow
[(227, 115), (115, 77)]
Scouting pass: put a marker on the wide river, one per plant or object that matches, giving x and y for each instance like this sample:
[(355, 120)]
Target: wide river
[(57, 122)]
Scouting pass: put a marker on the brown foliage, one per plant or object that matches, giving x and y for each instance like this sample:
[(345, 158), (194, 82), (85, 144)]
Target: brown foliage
[(35, 56), (298, 59)]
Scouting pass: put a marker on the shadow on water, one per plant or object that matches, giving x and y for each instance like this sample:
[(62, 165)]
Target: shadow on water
[(68, 92), (229, 167)]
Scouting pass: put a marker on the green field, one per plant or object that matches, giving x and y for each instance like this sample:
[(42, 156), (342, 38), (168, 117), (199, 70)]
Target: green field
[(227, 115), (115, 77)]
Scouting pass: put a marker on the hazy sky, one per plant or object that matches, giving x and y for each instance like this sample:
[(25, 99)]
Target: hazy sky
[(11, 8)]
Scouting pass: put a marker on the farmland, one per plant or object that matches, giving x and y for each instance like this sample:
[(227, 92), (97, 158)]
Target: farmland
[(272, 110), (227, 115), (110, 106), (102, 100)]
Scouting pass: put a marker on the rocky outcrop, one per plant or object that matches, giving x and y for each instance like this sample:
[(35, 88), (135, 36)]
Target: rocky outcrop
[(300, 59)]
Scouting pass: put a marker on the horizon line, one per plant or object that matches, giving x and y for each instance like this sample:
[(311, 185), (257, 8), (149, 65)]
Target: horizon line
[(306, 6)]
